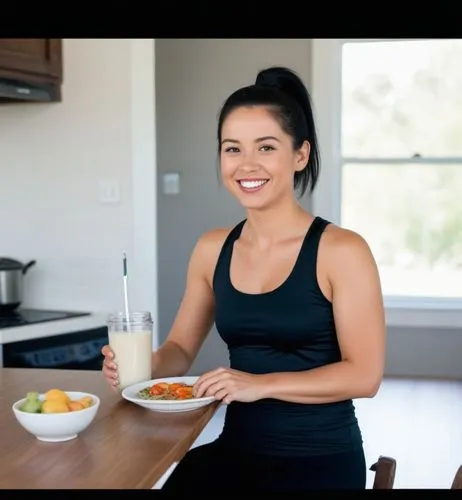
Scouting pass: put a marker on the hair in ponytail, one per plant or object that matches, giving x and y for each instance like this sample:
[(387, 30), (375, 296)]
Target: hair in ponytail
[(282, 91)]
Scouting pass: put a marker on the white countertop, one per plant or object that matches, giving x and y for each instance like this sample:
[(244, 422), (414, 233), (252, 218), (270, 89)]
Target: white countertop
[(51, 328)]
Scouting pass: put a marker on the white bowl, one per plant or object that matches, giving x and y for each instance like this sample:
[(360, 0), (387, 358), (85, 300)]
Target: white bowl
[(57, 427)]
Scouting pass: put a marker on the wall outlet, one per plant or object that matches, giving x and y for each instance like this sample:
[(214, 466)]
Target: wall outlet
[(109, 192)]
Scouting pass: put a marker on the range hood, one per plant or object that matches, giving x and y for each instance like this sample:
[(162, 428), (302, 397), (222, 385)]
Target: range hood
[(25, 91)]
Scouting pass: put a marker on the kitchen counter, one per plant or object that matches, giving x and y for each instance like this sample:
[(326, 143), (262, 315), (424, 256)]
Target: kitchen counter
[(50, 328), (126, 446)]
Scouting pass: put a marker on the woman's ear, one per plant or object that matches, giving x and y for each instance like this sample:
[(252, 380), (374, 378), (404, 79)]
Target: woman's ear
[(302, 156)]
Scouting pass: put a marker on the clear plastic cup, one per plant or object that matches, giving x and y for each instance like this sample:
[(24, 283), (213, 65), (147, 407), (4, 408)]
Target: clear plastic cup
[(131, 342)]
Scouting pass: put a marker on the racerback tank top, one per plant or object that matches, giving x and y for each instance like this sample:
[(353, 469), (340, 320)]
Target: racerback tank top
[(291, 329)]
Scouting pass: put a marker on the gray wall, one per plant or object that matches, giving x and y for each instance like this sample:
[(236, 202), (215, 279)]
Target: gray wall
[(425, 352), (193, 77)]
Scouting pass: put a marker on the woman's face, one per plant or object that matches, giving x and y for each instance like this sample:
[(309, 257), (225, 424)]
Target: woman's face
[(257, 158)]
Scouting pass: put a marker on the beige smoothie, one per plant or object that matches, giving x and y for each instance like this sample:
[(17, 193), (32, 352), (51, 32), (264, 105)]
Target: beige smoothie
[(133, 355), (131, 343)]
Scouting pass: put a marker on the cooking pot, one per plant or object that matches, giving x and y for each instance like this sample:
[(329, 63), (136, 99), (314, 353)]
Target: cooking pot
[(11, 282)]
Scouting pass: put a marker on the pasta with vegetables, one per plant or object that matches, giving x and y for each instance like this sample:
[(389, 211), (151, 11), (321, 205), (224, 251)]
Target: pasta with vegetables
[(176, 391)]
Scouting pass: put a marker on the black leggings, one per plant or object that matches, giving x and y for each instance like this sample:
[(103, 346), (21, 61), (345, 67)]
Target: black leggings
[(215, 467)]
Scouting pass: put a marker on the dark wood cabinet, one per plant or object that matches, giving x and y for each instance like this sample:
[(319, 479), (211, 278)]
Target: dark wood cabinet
[(37, 61)]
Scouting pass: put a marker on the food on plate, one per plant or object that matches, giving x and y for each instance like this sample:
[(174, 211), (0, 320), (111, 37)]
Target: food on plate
[(176, 391), (54, 401)]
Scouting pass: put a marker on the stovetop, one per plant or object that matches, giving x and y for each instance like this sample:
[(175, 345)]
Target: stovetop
[(23, 317)]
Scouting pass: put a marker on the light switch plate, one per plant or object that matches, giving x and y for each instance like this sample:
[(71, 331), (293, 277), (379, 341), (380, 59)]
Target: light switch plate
[(109, 192), (171, 183)]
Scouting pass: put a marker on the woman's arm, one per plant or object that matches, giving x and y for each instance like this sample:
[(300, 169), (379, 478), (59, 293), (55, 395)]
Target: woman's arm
[(196, 313), (360, 323)]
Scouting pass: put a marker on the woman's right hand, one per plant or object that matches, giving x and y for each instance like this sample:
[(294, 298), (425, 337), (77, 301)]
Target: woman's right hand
[(110, 367)]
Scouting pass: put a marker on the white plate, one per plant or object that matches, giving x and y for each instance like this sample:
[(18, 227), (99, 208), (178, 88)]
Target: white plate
[(130, 393)]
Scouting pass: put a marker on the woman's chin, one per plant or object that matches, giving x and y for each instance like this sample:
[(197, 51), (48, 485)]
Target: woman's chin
[(254, 204)]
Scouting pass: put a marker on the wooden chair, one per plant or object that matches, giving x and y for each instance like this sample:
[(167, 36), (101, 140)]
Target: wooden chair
[(457, 482), (385, 469)]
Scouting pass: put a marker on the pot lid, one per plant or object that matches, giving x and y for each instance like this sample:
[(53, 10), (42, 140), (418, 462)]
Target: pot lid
[(7, 264)]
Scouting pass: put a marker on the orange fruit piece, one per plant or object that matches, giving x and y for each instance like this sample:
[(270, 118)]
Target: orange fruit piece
[(55, 406), (57, 395), (85, 401), (75, 406)]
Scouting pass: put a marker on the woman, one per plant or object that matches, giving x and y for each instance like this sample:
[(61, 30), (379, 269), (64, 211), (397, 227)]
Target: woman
[(296, 299)]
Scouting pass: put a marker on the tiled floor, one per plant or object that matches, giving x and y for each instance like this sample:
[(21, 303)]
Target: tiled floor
[(417, 422)]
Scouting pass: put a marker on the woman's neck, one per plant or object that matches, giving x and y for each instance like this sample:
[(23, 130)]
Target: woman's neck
[(269, 226)]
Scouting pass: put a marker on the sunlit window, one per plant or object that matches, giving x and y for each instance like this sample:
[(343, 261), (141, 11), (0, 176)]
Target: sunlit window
[(401, 143)]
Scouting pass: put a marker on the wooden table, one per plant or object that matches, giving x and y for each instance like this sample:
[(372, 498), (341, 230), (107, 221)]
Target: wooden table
[(126, 446)]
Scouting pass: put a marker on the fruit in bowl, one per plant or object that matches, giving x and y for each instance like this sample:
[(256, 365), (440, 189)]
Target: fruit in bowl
[(56, 415), (55, 401)]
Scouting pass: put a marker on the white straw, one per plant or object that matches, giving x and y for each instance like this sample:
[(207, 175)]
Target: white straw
[(125, 286)]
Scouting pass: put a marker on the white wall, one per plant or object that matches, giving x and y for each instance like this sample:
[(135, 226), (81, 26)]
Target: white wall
[(52, 158)]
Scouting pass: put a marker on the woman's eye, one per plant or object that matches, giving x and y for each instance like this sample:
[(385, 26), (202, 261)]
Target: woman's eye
[(233, 149)]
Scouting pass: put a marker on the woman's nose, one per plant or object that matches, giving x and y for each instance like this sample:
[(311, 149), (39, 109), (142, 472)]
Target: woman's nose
[(248, 167), (249, 163)]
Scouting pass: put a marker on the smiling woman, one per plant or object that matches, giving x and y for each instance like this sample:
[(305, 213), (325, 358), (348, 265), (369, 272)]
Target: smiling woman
[(263, 124), (296, 299), (244, 151)]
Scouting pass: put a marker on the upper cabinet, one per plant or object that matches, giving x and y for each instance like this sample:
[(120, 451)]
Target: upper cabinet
[(33, 66)]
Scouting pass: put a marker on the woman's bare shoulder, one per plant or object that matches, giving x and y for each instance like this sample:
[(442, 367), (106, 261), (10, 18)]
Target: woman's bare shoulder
[(213, 240), (336, 237), (208, 248), (216, 235), (344, 246)]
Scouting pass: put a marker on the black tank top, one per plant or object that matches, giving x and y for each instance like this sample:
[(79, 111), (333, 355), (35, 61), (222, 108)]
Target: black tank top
[(288, 329)]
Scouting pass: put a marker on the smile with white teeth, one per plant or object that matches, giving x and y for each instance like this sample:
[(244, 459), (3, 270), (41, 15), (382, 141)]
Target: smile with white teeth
[(252, 184)]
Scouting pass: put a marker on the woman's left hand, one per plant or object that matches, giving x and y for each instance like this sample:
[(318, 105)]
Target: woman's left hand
[(228, 385)]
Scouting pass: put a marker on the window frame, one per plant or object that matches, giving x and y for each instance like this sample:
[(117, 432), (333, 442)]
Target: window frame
[(326, 68)]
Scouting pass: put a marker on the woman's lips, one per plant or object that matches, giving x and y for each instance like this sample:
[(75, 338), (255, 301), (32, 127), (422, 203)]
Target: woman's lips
[(252, 185)]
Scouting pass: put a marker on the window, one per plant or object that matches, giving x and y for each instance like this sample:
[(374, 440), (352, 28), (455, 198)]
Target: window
[(390, 120)]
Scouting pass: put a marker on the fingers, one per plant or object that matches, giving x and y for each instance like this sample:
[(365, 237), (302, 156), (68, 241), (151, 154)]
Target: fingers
[(197, 387), (219, 391), (110, 367), (206, 379), (222, 395), (209, 386), (111, 375), (106, 351), (202, 385), (213, 389)]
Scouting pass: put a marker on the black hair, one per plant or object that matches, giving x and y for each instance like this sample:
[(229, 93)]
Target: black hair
[(287, 98)]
